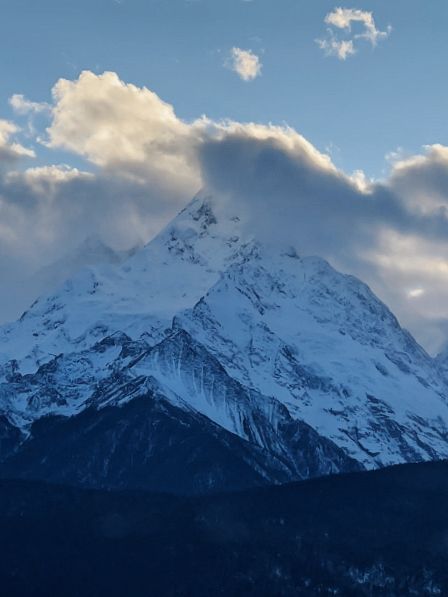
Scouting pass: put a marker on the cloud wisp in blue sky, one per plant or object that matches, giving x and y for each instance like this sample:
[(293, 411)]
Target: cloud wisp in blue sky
[(245, 64), (343, 20)]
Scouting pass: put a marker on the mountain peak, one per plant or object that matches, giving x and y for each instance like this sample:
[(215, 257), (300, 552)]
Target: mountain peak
[(206, 303)]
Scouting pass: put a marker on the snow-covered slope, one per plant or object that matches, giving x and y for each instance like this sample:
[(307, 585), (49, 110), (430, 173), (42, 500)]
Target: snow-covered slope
[(92, 252), (283, 352), (327, 348), (140, 297)]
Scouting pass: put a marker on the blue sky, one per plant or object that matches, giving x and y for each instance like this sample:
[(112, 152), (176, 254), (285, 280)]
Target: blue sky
[(394, 95)]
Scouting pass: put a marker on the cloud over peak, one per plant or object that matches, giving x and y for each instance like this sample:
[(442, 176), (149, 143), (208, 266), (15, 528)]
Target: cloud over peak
[(146, 163)]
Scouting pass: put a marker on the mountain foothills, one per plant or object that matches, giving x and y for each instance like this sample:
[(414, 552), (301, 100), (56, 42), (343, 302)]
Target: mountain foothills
[(209, 360), (379, 533)]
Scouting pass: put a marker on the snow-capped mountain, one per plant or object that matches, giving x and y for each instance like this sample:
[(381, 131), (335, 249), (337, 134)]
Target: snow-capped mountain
[(140, 297), (90, 253), (212, 357)]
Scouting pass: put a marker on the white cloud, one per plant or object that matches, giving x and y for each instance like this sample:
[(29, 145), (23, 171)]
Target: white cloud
[(147, 163), (11, 150), (245, 63), (122, 127), (395, 156), (21, 105), (342, 19), (340, 48)]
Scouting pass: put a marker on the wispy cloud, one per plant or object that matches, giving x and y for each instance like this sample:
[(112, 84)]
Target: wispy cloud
[(10, 150), (21, 105), (341, 20), (245, 63), (334, 47)]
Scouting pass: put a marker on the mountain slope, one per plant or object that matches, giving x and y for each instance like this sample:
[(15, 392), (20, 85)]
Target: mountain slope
[(170, 419), (326, 347), (284, 353), (140, 297), (91, 252), (147, 443)]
